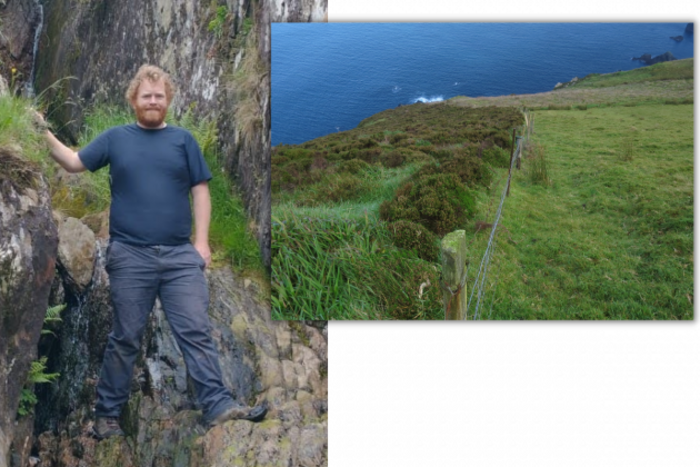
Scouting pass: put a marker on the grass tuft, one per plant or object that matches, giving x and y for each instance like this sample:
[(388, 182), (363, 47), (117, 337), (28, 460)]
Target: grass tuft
[(250, 106), (537, 165)]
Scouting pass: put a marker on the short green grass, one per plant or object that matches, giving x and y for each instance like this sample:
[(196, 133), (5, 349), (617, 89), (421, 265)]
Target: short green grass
[(612, 236), (673, 70)]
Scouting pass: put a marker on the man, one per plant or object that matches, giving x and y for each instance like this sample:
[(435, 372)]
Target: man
[(153, 169)]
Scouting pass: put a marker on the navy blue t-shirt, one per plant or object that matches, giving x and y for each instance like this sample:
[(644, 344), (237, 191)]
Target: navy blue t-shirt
[(151, 174)]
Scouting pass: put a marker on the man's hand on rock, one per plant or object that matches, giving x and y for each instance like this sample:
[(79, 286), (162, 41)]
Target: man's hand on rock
[(39, 121)]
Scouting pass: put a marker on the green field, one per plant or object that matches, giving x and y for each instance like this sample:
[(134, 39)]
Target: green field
[(608, 234), (612, 236)]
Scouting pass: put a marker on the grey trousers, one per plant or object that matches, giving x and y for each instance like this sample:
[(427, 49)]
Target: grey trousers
[(176, 274)]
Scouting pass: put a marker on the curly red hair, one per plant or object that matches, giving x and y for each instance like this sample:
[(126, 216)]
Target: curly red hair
[(151, 73)]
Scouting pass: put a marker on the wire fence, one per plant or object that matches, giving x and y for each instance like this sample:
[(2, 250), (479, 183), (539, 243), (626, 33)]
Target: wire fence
[(478, 289), (478, 301)]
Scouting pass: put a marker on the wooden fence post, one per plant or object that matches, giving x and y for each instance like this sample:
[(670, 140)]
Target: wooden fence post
[(512, 150), (454, 255), (520, 151)]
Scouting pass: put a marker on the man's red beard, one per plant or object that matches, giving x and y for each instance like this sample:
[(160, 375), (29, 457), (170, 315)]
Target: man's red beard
[(151, 117)]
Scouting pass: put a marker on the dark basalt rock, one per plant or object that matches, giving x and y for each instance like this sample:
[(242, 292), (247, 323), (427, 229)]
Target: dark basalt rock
[(677, 38), (689, 28), (648, 60)]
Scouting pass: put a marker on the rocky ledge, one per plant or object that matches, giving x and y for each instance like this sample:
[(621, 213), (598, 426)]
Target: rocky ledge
[(573, 81)]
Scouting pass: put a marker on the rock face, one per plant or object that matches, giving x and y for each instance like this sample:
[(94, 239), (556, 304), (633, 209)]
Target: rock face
[(283, 363), (295, 11), (689, 28), (648, 60), (573, 81), (28, 244), (19, 20)]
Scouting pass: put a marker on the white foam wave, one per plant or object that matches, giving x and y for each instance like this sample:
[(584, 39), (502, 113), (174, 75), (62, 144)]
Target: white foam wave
[(426, 100)]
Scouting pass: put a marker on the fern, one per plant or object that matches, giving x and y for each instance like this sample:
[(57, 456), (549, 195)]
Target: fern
[(53, 315), (37, 372), (27, 401), (37, 375)]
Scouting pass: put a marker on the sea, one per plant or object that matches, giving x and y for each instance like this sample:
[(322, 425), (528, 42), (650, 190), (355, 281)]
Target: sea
[(328, 77)]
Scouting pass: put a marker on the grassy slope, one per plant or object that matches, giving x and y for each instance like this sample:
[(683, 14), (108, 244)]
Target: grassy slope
[(332, 258), (612, 238)]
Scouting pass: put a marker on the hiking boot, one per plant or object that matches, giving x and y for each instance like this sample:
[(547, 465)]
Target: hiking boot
[(240, 412), (104, 427)]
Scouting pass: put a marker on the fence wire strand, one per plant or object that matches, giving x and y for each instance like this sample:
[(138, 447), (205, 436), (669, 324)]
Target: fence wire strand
[(485, 265), (479, 295)]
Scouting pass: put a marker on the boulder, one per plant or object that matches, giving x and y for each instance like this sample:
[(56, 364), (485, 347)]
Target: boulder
[(76, 252), (98, 223), (28, 247)]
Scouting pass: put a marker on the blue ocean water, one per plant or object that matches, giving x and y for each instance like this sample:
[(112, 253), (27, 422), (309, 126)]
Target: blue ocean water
[(327, 77)]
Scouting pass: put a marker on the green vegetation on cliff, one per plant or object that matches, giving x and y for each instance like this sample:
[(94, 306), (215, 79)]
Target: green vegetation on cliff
[(348, 208), (598, 226), (17, 131)]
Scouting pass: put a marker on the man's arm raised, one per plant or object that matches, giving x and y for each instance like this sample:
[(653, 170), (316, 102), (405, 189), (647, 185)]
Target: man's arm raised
[(65, 156)]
